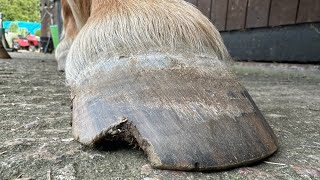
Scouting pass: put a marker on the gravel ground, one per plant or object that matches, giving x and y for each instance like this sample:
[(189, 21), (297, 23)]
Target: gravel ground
[(36, 141)]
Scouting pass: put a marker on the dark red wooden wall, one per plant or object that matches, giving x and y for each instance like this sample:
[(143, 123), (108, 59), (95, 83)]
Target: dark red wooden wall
[(241, 14)]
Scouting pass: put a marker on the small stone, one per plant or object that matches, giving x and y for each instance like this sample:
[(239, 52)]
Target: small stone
[(146, 169), (67, 140), (31, 125), (67, 173)]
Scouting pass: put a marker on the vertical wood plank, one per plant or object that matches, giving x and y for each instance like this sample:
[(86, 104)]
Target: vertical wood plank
[(258, 13), (309, 11), (205, 6), (236, 14), (283, 12), (194, 2), (219, 13)]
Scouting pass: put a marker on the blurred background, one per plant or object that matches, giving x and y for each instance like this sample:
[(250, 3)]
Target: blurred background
[(267, 30)]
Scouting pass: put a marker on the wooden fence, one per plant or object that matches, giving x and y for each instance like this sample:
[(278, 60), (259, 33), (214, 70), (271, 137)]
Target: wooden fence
[(229, 15)]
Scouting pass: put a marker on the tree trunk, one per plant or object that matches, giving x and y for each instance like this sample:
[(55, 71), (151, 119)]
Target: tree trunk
[(3, 53)]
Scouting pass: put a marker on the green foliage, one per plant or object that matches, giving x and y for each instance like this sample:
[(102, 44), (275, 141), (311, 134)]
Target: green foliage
[(38, 33), (23, 32), (20, 10), (13, 27)]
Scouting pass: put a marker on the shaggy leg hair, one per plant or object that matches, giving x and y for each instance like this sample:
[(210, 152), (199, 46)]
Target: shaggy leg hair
[(74, 16), (129, 27)]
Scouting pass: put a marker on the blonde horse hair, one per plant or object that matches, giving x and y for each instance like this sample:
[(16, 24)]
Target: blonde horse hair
[(80, 10), (74, 15), (126, 27)]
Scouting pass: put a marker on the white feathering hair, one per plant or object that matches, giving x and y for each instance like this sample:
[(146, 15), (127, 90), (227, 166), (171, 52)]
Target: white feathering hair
[(131, 26)]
